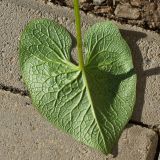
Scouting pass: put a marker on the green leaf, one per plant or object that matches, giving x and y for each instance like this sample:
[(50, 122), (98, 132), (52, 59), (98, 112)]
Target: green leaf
[(93, 104)]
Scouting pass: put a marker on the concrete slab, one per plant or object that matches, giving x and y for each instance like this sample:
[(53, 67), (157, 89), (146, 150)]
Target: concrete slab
[(24, 134), (145, 47)]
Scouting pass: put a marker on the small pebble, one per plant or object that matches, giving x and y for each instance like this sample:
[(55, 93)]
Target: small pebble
[(98, 2)]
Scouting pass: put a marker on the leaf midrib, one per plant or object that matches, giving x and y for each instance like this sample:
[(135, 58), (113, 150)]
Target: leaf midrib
[(91, 102)]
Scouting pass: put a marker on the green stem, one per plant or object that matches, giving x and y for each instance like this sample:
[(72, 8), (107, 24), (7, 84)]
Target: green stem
[(79, 35)]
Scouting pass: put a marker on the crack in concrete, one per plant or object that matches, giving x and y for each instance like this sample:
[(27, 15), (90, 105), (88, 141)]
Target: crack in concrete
[(26, 93), (140, 124), (155, 127), (158, 149), (14, 90)]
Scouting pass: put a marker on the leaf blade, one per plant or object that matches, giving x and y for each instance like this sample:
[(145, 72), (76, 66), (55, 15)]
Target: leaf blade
[(73, 100)]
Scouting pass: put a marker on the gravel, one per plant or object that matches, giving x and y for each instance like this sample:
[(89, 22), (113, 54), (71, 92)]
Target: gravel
[(143, 13)]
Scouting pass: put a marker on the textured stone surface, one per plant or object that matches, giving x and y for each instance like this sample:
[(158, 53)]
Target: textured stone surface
[(126, 11), (24, 134), (145, 47)]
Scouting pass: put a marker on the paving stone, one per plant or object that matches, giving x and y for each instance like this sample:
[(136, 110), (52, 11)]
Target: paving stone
[(24, 134), (145, 46)]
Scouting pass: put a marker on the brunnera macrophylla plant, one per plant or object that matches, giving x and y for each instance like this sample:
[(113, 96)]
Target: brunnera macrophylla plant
[(92, 101)]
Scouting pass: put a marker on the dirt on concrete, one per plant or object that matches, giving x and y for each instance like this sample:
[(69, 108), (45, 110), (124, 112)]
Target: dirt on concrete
[(143, 13)]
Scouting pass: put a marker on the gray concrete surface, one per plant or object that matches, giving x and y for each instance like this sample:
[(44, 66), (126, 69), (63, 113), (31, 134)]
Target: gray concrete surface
[(25, 135)]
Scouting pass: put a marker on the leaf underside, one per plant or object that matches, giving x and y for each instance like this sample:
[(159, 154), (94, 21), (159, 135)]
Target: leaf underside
[(94, 104)]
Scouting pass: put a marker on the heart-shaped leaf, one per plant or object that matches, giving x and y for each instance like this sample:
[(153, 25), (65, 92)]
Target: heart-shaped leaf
[(92, 104)]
